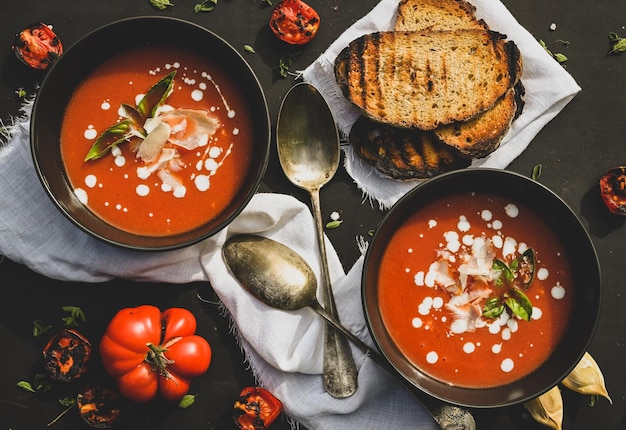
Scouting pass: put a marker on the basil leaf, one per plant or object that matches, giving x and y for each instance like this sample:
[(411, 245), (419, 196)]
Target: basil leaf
[(135, 116), (493, 308), (156, 96), (112, 136), (504, 269), (519, 304)]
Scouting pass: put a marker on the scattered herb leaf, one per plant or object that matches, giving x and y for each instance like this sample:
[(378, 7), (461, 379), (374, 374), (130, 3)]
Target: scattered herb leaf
[(205, 6), (249, 49), (40, 327), (267, 2), (69, 402), (76, 315), (26, 386), (618, 44), (536, 172), (187, 400), (21, 92), (42, 382), (334, 223), (371, 232), (161, 4), (561, 58), (285, 62)]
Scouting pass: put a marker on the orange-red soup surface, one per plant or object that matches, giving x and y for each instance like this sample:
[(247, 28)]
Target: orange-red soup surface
[(434, 283), (167, 197)]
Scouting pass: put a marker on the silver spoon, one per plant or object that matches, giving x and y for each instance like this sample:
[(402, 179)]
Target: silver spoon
[(279, 277), (308, 150)]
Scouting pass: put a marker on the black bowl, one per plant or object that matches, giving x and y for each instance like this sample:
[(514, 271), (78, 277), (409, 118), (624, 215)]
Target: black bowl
[(583, 261), (86, 55)]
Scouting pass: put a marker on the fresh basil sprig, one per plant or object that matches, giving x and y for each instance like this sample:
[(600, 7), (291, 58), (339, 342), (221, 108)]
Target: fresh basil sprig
[(512, 280)]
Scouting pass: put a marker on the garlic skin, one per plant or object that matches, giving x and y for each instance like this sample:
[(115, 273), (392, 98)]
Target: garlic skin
[(547, 409), (587, 378)]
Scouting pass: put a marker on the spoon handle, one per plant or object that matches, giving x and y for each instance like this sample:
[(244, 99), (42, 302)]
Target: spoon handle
[(339, 370)]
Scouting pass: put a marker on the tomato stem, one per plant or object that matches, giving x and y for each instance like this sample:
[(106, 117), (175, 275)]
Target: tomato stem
[(157, 359)]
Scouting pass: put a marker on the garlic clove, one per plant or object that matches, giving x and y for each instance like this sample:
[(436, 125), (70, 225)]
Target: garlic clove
[(547, 409), (587, 378)]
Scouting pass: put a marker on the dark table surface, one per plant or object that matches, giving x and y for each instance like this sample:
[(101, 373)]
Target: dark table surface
[(587, 138)]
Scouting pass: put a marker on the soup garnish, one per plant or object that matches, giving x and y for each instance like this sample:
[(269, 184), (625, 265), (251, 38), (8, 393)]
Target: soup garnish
[(466, 298), (157, 140)]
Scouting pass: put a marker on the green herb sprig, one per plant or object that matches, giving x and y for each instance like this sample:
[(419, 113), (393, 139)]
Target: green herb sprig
[(285, 62), (76, 315), (618, 43), (205, 6), (513, 280), (161, 4), (561, 58)]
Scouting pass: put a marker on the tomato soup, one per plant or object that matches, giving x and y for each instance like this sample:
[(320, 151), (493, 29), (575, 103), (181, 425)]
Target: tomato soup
[(475, 290), (188, 178)]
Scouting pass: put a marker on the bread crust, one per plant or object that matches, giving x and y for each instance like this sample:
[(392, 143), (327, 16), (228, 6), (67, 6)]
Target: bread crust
[(403, 153), (446, 75), (415, 15)]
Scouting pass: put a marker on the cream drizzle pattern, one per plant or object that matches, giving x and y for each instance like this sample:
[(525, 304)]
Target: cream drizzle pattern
[(469, 251), (208, 161)]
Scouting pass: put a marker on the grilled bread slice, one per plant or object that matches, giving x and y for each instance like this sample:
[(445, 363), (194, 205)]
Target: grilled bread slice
[(402, 153), (427, 79), (481, 135), (414, 15)]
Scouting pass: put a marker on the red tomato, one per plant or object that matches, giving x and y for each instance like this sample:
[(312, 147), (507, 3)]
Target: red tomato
[(294, 22), (150, 352)]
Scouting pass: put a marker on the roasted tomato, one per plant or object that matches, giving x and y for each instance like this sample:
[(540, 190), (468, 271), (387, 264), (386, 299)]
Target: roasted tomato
[(37, 46), (66, 355), (256, 409), (149, 352), (99, 407), (613, 190), (294, 22)]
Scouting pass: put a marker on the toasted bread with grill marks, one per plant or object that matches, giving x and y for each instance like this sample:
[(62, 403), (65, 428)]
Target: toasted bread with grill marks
[(427, 79), (403, 153), (414, 15), (481, 135)]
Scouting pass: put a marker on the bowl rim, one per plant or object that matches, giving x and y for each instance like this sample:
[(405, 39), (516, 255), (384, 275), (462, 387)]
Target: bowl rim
[(416, 379), (166, 242)]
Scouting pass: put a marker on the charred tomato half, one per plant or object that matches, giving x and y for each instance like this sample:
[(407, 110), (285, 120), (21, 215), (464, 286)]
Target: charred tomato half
[(37, 46), (66, 355), (99, 407), (256, 409), (613, 190), (294, 22)]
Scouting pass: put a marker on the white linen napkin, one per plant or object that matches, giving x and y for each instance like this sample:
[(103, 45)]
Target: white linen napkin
[(284, 349), (548, 90)]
